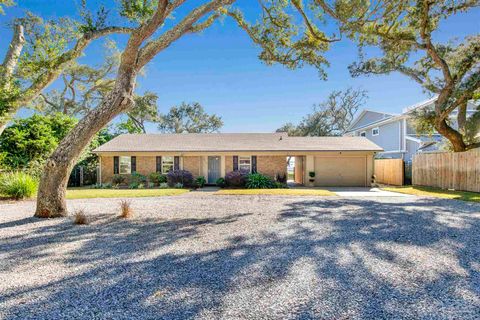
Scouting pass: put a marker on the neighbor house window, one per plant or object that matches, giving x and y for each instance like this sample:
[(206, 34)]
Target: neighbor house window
[(375, 131), (125, 165), (363, 134), (167, 164), (245, 164)]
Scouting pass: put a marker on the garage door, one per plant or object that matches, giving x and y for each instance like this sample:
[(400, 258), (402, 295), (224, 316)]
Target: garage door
[(340, 171)]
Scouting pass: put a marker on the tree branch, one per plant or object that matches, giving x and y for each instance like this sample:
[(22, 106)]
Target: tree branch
[(13, 54)]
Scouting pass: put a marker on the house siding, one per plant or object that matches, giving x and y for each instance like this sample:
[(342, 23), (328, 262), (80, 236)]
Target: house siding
[(368, 118), (388, 137)]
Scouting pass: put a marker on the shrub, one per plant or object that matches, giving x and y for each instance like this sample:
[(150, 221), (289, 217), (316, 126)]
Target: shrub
[(180, 176), (157, 178), (220, 182), (137, 178), (18, 185), (118, 179), (178, 185), (80, 217), (102, 186), (134, 185), (236, 179), (281, 177), (163, 185), (280, 185), (201, 181), (259, 181), (151, 185), (125, 209)]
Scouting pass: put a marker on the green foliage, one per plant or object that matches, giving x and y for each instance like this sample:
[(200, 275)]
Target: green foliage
[(138, 10), (189, 118), (332, 117), (259, 181), (46, 42), (221, 182), (137, 178), (118, 179), (157, 178), (5, 3), (200, 181), (92, 22), (31, 140), (163, 185), (18, 185)]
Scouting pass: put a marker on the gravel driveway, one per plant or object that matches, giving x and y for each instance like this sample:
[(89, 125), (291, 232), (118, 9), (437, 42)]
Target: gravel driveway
[(230, 257)]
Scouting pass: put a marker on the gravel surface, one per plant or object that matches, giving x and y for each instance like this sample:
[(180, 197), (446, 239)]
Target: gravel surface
[(250, 257)]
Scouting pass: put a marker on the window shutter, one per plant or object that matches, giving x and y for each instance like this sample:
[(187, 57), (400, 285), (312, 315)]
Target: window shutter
[(235, 163), (116, 165), (133, 164), (159, 164), (176, 163), (254, 164)]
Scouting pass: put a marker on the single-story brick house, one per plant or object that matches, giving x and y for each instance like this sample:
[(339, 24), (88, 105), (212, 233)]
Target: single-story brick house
[(336, 161)]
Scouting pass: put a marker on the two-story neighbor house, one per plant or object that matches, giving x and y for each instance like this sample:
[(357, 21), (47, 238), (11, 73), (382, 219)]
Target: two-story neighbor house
[(394, 134)]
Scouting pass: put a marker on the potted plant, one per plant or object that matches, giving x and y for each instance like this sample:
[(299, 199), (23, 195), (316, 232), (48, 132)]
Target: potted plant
[(312, 176)]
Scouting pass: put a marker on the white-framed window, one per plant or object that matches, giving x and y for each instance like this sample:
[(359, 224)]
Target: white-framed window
[(375, 131), (245, 163), (363, 134), (167, 164), (125, 165)]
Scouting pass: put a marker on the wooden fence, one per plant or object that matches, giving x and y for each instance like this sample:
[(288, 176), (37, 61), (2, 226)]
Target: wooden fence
[(458, 171), (389, 171)]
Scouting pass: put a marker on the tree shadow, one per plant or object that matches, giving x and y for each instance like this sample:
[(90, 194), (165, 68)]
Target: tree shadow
[(314, 259)]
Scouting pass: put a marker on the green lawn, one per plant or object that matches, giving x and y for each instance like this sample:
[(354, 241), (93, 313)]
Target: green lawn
[(435, 192), (282, 192), (83, 193)]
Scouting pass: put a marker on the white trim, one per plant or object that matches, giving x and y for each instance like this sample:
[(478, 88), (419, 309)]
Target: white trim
[(413, 139), (373, 131), (245, 157)]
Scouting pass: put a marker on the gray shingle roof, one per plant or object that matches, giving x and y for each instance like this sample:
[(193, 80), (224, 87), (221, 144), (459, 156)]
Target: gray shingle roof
[(193, 142)]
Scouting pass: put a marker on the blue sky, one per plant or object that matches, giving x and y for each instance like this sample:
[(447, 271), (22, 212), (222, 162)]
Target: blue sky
[(219, 68)]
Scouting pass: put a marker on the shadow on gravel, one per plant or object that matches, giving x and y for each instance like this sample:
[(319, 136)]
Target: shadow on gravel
[(364, 259)]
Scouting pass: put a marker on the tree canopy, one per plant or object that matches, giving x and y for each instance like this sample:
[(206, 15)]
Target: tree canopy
[(404, 30), (189, 118), (332, 117)]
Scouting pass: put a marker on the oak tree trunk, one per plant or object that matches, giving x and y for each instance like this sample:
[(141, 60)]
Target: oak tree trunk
[(51, 201), (455, 137)]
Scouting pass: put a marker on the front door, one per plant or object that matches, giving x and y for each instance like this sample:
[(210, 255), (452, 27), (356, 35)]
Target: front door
[(213, 169)]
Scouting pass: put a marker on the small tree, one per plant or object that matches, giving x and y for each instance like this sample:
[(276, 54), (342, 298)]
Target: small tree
[(280, 38), (189, 118), (331, 117), (402, 30)]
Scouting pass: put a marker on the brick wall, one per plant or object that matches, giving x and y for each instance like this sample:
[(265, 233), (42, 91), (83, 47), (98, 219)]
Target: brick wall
[(145, 166), (107, 169), (271, 165), (228, 164), (192, 164)]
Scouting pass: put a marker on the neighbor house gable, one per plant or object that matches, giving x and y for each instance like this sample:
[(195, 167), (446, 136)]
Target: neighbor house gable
[(367, 117)]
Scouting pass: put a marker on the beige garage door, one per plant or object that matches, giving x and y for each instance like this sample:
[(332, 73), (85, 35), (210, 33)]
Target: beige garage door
[(340, 171)]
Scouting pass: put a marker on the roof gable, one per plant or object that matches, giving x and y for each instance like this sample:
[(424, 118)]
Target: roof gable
[(367, 117)]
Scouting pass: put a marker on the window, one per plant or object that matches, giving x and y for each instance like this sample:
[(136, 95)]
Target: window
[(125, 165), (167, 164), (245, 164), (375, 132), (363, 134)]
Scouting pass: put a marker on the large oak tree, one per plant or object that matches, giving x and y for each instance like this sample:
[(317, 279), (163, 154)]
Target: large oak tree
[(38, 53), (404, 31), (281, 38)]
